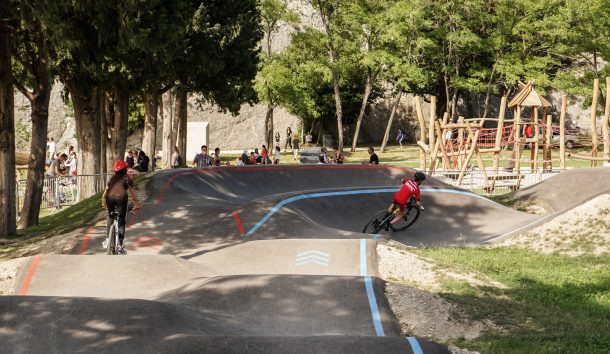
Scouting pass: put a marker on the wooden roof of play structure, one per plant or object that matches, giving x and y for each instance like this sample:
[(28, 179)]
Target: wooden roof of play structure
[(528, 97)]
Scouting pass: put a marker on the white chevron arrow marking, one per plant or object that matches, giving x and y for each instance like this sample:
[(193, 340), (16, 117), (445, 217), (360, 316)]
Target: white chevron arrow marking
[(313, 257), (309, 252)]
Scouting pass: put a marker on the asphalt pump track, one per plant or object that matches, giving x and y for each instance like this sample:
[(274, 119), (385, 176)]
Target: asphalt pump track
[(266, 259)]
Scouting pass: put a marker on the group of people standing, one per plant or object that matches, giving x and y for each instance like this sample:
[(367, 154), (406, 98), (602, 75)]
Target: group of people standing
[(263, 158), (338, 157), (61, 164), (292, 141), (137, 160)]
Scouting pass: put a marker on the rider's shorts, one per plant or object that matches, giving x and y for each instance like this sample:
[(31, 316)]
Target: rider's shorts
[(400, 203)]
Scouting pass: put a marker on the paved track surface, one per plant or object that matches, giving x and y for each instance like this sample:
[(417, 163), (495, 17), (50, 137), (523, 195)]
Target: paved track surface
[(568, 189), (266, 259)]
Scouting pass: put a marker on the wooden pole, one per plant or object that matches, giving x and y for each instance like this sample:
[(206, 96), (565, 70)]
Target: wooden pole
[(585, 157), (431, 121), (562, 132), (471, 151), (498, 143), (422, 132), (461, 143), (536, 137), (461, 125), (518, 140), (605, 122), (443, 146), (480, 162), (547, 155), (437, 145), (594, 121)]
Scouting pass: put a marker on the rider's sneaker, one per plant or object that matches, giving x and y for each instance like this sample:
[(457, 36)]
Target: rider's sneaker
[(387, 227), (122, 250), (105, 243)]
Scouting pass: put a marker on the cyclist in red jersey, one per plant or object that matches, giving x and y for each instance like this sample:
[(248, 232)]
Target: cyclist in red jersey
[(410, 189)]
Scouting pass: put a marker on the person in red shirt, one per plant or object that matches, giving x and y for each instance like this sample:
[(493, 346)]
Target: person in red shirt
[(410, 189), (529, 131)]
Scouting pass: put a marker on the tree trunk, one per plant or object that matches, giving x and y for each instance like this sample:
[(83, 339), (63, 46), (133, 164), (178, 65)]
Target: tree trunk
[(150, 125), (269, 127), (181, 112), (38, 151), (365, 99), (488, 93), (106, 118), (88, 124), (39, 101), (386, 136), (175, 122), (8, 217), (335, 75), (120, 123), (269, 120), (448, 98), (166, 143), (454, 99), (338, 109)]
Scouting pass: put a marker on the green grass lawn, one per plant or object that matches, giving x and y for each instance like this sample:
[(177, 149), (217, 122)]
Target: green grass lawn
[(409, 157), (552, 303)]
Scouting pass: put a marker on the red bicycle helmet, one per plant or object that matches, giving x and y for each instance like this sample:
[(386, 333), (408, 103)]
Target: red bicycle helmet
[(119, 165)]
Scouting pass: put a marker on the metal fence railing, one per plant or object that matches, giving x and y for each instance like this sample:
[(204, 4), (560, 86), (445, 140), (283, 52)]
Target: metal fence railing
[(61, 191), (484, 182)]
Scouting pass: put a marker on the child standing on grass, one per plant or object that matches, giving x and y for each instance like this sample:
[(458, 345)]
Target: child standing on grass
[(276, 155)]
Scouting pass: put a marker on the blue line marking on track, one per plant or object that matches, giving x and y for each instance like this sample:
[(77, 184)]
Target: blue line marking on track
[(373, 304), (415, 345), (363, 257), (295, 198), (370, 293)]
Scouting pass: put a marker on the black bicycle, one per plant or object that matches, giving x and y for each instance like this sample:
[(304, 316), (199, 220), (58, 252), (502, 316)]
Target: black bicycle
[(112, 240), (382, 220)]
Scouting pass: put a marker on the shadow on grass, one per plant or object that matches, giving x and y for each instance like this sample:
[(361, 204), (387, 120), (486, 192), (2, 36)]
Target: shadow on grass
[(537, 317)]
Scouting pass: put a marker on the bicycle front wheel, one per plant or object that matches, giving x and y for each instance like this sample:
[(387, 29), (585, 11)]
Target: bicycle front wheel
[(408, 220), (111, 236), (376, 224)]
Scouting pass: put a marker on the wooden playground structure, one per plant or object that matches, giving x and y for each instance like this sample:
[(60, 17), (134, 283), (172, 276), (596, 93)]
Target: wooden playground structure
[(452, 147)]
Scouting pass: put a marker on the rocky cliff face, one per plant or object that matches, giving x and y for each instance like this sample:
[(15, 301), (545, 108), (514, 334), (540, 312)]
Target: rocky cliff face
[(62, 127)]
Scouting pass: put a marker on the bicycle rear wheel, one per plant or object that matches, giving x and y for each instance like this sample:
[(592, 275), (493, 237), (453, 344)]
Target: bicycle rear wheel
[(111, 236), (376, 224), (408, 220)]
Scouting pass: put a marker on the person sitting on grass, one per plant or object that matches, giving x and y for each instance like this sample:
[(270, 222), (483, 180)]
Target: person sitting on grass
[(374, 159), (323, 158), (338, 157)]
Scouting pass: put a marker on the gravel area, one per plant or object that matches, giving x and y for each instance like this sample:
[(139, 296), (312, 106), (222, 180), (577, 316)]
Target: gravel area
[(426, 314), (8, 274), (411, 291), (584, 229)]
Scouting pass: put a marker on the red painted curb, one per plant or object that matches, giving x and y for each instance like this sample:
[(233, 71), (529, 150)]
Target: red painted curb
[(29, 276), (285, 167), (240, 226), (132, 219), (83, 246)]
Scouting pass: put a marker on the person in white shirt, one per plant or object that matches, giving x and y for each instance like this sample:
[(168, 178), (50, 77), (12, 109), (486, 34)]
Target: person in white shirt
[(276, 155), (52, 149)]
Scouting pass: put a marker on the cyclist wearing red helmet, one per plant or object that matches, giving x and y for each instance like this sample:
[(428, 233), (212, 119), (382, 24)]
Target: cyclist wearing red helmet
[(410, 189), (115, 196)]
